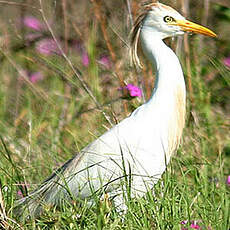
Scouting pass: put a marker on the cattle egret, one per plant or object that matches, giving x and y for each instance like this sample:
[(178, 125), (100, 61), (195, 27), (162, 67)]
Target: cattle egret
[(134, 153)]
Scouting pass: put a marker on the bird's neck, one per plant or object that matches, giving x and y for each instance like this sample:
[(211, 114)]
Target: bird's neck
[(168, 97), (169, 75)]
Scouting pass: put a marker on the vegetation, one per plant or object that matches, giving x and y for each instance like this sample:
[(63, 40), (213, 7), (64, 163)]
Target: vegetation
[(64, 67)]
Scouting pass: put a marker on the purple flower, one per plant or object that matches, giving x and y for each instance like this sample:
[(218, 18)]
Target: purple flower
[(47, 46), (227, 61), (228, 180), (134, 91), (105, 61), (36, 76), (85, 58), (33, 23)]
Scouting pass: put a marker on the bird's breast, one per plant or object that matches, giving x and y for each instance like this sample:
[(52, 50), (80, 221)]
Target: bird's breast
[(176, 120)]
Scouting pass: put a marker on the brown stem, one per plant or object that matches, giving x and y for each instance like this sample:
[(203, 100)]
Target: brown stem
[(76, 73), (103, 22), (66, 30), (225, 3), (185, 9)]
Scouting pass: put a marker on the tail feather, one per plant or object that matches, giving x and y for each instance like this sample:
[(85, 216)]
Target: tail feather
[(51, 192)]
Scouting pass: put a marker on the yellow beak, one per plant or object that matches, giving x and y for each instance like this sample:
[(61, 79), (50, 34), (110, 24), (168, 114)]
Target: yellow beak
[(195, 28)]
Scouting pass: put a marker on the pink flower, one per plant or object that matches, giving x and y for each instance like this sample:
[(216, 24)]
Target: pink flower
[(104, 60), (33, 23), (85, 59), (193, 225), (47, 46), (79, 47), (19, 193), (36, 76), (22, 189), (227, 61), (228, 180), (184, 222), (134, 91)]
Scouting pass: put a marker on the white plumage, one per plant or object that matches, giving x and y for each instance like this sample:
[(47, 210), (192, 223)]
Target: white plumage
[(140, 146)]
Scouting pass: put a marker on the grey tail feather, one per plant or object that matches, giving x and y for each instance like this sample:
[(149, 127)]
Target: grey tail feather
[(49, 192)]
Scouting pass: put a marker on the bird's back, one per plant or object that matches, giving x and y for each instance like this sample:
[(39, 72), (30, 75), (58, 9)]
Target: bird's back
[(135, 143)]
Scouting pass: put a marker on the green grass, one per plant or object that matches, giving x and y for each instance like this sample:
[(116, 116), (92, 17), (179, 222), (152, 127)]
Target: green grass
[(44, 124), (34, 142)]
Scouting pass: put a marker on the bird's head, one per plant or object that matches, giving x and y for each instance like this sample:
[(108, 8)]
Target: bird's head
[(167, 22)]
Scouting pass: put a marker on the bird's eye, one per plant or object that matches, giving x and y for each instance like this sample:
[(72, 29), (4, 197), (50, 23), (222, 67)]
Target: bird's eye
[(169, 19)]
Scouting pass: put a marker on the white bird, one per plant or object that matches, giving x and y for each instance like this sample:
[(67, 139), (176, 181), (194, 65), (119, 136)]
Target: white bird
[(134, 153)]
